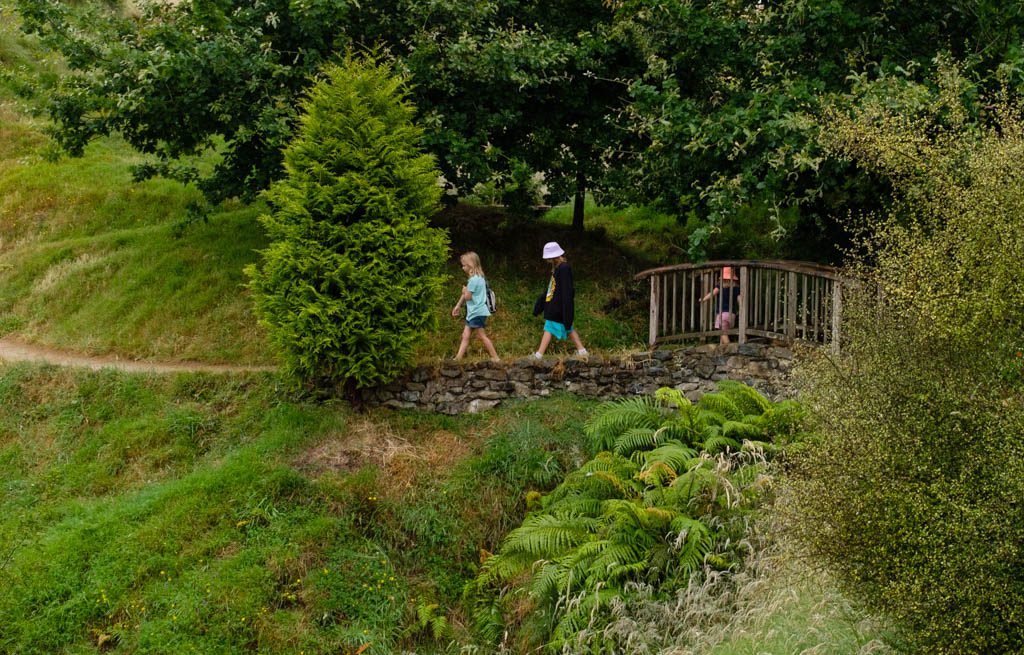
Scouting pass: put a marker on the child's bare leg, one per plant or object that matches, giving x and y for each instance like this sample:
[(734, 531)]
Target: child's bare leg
[(465, 343), (482, 336), (545, 339), (575, 336)]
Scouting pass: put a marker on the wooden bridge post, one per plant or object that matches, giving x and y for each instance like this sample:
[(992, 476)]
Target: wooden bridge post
[(790, 305), (837, 313), (745, 297), (652, 336)]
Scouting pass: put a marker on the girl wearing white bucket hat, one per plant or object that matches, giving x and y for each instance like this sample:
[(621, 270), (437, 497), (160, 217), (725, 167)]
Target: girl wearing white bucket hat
[(558, 303)]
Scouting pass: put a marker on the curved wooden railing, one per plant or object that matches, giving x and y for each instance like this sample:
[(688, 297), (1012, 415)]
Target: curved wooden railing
[(781, 300)]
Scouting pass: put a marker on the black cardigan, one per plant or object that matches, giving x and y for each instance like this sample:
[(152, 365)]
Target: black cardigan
[(560, 308)]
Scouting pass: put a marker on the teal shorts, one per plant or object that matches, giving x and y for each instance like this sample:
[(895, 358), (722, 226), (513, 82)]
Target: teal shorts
[(557, 330)]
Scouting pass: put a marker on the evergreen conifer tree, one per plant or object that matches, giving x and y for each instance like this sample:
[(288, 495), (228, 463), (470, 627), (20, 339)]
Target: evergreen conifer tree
[(353, 272)]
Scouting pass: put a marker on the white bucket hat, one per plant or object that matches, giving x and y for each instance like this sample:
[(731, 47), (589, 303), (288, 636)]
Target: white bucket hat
[(552, 250)]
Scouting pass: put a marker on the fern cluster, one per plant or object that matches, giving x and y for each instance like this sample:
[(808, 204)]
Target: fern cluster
[(666, 496)]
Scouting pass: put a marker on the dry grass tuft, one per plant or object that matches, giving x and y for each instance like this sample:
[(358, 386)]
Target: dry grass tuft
[(365, 442), (372, 441)]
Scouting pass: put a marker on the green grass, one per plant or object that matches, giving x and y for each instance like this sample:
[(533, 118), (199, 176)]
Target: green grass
[(644, 233), (143, 292), (797, 610), (207, 514)]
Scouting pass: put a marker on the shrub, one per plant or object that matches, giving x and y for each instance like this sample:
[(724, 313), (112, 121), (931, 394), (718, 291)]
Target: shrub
[(671, 497), (350, 280), (912, 494)]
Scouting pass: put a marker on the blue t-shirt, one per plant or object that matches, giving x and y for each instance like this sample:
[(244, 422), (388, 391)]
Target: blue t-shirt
[(477, 305)]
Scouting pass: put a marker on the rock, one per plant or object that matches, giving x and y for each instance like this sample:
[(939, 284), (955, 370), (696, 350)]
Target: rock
[(421, 375), (478, 405)]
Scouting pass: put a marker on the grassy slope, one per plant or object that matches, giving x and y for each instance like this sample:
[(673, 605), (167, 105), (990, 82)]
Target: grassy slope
[(207, 514), (89, 260)]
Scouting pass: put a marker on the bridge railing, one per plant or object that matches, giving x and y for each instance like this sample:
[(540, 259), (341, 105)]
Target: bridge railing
[(780, 300)]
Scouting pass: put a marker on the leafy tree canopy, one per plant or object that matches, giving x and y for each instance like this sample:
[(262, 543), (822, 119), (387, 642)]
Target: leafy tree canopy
[(700, 108), (498, 84), (726, 110)]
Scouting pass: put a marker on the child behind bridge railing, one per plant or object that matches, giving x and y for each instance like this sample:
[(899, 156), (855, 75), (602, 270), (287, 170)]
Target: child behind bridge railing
[(727, 303)]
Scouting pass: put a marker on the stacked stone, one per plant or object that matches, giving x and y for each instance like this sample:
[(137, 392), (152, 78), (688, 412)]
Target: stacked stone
[(452, 388)]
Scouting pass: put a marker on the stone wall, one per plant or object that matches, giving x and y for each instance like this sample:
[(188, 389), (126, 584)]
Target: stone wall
[(452, 388)]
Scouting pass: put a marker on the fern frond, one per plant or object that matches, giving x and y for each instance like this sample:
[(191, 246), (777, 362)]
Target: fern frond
[(612, 419), (682, 429), (748, 399), (578, 615), (614, 463), (719, 403), (620, 572), (606, 476), (718, 443), (694, 541), (694, 482), (488, 622), (657, 474), (675, 456), (635, 439), (635, 524), (656, 496), (672, 397), (710, 432), (550, 581), (573, 506), (739, 430), (546, 537), (709, 418), (504, 566), (615, 559), (658, 516), (783, 419)]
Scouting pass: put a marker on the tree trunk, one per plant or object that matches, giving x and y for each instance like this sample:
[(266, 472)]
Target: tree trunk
[(581, 194)]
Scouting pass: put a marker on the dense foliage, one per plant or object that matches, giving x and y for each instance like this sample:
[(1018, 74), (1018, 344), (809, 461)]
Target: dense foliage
[(505, 88), (706, 109), (913, 493), (725, 113), (350, 280), (668, 495)]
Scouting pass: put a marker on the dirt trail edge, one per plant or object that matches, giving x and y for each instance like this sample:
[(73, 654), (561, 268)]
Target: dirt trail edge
[(12, 350)]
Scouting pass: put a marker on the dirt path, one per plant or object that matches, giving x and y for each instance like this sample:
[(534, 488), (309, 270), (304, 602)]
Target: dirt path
[(12, 350)]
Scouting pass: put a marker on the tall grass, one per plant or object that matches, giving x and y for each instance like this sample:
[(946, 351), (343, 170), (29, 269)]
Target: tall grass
[(775, 605)]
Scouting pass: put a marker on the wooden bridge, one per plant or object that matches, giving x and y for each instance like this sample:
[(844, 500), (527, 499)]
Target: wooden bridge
[(780, 300)]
